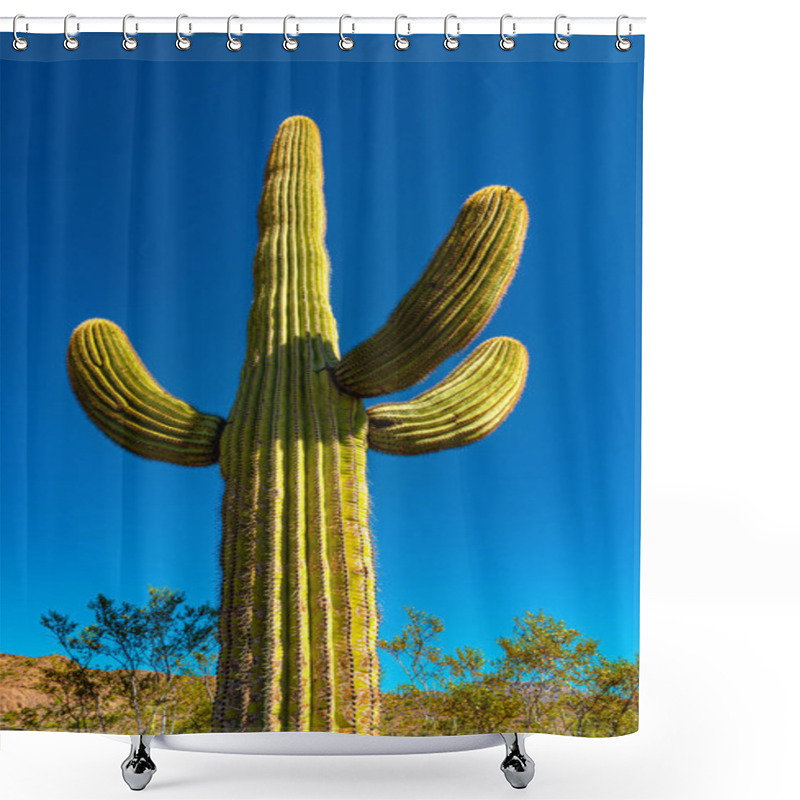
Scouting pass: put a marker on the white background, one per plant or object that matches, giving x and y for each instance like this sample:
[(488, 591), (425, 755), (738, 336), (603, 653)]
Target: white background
[(719, 709)]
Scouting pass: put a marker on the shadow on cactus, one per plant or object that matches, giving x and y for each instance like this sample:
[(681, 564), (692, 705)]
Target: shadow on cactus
[(298, 617)]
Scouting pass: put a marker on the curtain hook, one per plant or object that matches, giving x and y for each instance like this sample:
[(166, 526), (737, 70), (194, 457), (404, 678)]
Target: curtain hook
[(233, 44), (70, 42), (288, 42), (19, 43), (345, 42), (623, 44), (181, 42), (400, 42), (451, 42), (128, 42), (560, 43), (507, 42)]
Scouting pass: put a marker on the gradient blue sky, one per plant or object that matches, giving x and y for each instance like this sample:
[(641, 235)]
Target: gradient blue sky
[(128, 189)]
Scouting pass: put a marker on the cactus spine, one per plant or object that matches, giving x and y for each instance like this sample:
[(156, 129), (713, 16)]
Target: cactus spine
[(298, 616)]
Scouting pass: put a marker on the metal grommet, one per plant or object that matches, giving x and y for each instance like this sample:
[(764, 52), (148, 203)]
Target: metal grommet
[(622, 44), (400, 42), (451, 42), (70, 42), (19, 43), (233, 44), (560, 43), (507, 42), (128, 42), (182, 42), (289, 43), (345, 42)]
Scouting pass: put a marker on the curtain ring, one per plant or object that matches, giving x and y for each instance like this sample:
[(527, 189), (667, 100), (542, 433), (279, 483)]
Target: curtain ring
[(560, 43), (288, 42), (128, 42), (623, 44), (70, 42), (19, 43), (345, 42), (181, 42), (451, 42), (507, 42), (233, 44), (401, 42)]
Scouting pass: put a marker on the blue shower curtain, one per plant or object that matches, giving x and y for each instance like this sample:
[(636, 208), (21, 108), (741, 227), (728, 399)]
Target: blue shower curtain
[(357, 456)]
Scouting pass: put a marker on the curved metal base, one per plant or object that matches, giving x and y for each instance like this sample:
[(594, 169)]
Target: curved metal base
[(138, 768), (517, 766), (314, 743)]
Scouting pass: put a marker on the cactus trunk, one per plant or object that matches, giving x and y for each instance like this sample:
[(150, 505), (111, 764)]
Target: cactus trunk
[(298, 622)]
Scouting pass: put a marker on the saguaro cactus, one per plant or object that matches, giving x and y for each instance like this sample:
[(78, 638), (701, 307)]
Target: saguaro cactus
[(298, 618)]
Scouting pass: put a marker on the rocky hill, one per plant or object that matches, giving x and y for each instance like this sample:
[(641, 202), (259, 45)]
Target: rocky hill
[(18, 678)]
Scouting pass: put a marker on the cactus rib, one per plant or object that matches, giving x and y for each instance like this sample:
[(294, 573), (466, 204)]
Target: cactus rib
[(450, 303), (123, 399), (470, 403)]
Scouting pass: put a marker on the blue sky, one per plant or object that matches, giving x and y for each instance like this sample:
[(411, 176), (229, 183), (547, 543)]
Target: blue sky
[(129, 188)]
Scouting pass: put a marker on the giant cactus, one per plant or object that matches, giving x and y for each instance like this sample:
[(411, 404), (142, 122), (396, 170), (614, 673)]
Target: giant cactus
[(298, 617)]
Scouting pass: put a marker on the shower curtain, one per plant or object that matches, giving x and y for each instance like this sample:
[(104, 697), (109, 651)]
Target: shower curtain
[(320, 385)]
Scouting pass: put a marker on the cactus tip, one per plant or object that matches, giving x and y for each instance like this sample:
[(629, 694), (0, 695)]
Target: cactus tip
[(298, 122)]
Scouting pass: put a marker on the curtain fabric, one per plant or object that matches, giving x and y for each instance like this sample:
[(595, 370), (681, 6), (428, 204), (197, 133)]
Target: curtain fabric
[(320, 384)]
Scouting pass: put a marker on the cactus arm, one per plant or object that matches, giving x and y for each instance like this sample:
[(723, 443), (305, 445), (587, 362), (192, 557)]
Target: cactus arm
[(450, 303), (470, 403), (121, 397)]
